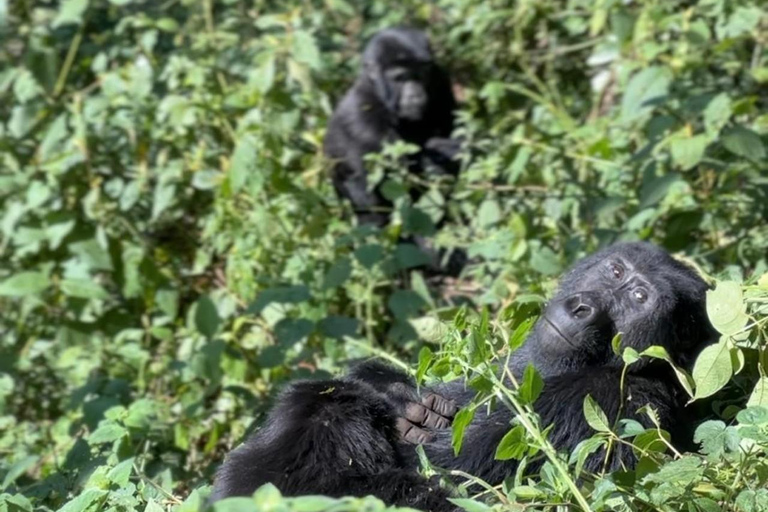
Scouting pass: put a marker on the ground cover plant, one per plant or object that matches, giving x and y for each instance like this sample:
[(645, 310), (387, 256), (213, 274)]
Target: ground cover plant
[(172, 250)]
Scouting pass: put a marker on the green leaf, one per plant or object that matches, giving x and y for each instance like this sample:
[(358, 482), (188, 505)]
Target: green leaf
[(85, 501), (23, 284), (429, 329), (616, 343), (726, 308), (460, 423), (425, 358), (681, 472), (244, 162), (470, 505), (513, 445), (717, 113), (107, 432), (207, 318), (70, 13), (688, 152), (712, 370), (305, 49), (17, 469), (595, 415), (753, 416), (489, 213), (280, 295), (337, 274), (263, 75), (83, 289), (759, 396), (520, 334), (716, 438), (644, 89), (744, 142), (531, 387), (339, 327)]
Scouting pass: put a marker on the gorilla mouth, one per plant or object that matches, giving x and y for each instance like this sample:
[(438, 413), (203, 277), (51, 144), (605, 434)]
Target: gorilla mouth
[(557, 331)]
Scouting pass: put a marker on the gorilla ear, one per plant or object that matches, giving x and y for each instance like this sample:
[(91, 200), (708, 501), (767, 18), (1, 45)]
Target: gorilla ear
[(376, 75)]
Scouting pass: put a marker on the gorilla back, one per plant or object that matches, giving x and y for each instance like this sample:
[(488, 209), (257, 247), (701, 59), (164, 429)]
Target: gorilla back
[(401, 94), (355, 435)]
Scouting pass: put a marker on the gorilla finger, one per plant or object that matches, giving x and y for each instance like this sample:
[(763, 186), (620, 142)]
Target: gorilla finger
[(420, 415), (440, 405), (411, 433)]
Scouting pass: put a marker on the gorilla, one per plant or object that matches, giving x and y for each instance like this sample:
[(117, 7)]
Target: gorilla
[(401, 94), (355, 435)]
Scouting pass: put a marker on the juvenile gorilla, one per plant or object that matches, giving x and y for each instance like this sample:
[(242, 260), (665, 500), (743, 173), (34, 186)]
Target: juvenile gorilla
[(355, 436), (401, 94)]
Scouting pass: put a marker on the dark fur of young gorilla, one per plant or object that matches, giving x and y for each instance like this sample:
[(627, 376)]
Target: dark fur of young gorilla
[(355, 435), (401, 94)]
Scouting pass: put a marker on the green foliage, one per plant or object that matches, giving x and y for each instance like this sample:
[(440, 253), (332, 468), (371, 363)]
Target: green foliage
[(171, 249)]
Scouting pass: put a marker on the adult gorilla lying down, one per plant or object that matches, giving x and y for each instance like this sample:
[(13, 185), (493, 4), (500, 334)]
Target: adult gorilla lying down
[(356, 435)]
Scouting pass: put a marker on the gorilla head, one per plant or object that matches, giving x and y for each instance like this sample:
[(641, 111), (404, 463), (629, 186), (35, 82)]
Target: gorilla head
[(635, 289), (398, 62)]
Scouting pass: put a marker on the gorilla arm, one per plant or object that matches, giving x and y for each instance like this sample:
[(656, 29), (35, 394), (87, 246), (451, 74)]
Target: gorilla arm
[(560, 405)]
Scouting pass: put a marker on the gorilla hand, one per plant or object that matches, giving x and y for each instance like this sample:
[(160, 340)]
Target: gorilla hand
[(433, 412)]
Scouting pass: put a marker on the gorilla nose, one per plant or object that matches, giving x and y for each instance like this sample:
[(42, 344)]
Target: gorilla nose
[(579, 307)]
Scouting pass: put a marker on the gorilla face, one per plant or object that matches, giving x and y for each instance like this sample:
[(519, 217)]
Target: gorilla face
[(408, 83), (398, 62), (635, 289)]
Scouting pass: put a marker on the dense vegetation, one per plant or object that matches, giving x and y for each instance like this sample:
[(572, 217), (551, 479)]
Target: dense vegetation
[(172, 251)]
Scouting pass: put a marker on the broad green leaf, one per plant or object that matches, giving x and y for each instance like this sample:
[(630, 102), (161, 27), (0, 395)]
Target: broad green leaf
[(716, 438), (107, 432), (712, 370), (513, 445), (83, 289), (759, 396), (425, 358), (753, 416), (460, 423), (263, 75), (429, 329), (23, 284), (531, 386), (207, 318), (744, 142), (520, 333), (244, 162), (470, 505), (681, 472), (305, 49), (717, 113), (595, 415), (339, 327), (644, 90), (726, 308), (70, 13), (337, 274), (688, 152), (85, 501), (616, 343), (489, 213)]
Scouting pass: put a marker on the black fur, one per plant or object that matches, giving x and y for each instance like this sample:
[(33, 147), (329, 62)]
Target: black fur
[(340, 437), (400, 95), (371, 114)]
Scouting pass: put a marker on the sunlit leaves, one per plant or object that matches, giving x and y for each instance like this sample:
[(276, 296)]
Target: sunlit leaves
[(712, 370), (645, 89), (726, 308)]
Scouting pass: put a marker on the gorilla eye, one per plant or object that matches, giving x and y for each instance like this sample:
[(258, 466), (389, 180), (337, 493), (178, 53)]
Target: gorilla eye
[(640, 295), (617, 270)]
